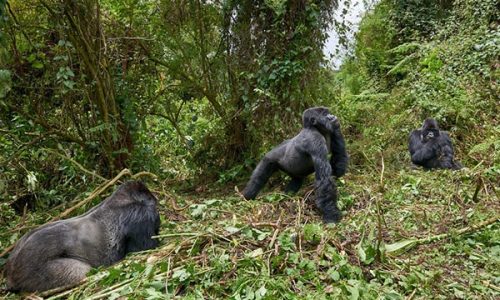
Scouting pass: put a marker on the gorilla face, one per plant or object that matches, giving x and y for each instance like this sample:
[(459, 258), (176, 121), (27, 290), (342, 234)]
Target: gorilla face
[(430, 130), (429, 135), (331, 122)]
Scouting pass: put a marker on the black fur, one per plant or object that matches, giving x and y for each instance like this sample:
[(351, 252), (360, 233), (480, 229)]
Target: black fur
[(304, 154), (432, 148), (61, 253)]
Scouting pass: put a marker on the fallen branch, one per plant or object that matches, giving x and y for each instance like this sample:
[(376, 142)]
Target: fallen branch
[(75, 163), (7, 250), (382, 172), (239, 193), (405, 245), (478, 188), (66, 289), (276, 231), (93, 195), (112, 289), (144, 173)]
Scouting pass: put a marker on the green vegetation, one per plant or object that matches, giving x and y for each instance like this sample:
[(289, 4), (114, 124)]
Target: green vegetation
[(195, 92)]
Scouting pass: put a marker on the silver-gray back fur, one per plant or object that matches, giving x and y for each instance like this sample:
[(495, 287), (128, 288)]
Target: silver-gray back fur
[(62, 252)]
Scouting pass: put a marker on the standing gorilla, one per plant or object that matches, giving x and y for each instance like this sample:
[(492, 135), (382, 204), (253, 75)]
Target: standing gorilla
[(61, 253), (308, 152), (432, 148)]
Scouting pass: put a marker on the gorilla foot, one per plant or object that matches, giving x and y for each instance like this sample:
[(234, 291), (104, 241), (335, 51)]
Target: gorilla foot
[(333, 216), (249, 195)]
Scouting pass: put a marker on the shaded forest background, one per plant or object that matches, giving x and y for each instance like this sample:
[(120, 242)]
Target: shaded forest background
[(190, 90), (163, 86), (196, 91)]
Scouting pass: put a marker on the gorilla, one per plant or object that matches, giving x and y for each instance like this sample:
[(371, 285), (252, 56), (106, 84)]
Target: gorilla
[(61, 253), (308, 152), (431, 148)]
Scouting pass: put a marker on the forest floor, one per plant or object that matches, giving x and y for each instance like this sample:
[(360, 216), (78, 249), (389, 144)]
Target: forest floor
[(406, 234)]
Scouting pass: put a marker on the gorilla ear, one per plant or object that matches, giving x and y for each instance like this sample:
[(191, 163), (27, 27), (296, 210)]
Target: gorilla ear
[(310, 122), (314, 122)]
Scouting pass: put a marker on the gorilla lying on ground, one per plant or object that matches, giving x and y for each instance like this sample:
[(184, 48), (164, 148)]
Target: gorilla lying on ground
[(308, 152), (432, 148), (61, 253)]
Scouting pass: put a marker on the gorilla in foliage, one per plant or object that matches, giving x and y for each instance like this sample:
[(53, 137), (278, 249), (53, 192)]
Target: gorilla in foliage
[(308, 152), (431, 148), (61, 253)]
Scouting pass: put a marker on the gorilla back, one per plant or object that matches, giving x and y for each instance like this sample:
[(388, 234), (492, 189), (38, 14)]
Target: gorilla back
[(305, 153), (61, 253)]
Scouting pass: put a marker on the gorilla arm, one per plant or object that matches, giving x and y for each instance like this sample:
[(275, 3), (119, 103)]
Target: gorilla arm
[(339, 159), (326, 194), (266, 167), (420, 152), (446, 152)]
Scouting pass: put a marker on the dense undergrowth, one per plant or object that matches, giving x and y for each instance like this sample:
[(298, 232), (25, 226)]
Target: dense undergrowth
[(220, 246), (406, 233)]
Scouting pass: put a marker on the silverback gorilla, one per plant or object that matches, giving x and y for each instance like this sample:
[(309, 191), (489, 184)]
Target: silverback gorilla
[(61, 253), (308, 152), (431, 148)]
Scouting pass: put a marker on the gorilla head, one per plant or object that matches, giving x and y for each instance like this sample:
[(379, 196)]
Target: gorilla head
[(432, 148), (61, 253), (321, 119), (304, 154), (430, 129)]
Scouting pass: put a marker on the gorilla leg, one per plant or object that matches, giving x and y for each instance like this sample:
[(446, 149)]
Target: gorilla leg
[(259, 177), (57, 272), (66, 271), (294, 185)]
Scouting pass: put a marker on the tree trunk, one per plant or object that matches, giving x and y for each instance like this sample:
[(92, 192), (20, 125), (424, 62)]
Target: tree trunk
[(83, 29)]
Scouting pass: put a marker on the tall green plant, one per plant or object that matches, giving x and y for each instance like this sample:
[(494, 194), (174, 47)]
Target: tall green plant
[(274, 57)]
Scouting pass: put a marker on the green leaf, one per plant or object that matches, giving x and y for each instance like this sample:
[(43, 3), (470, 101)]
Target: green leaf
[(198, 209), (261, 292), (405, 48), (256, 253), (5, 82), (361, 253), (70, 72), (313, 233), (211, 201), (232, 229), (400, 66), (334, 275), (181, 274), (263, 235), (353, 289), (37, 65), (69, 84), (400, 247), (31, 58), (480, 148)]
